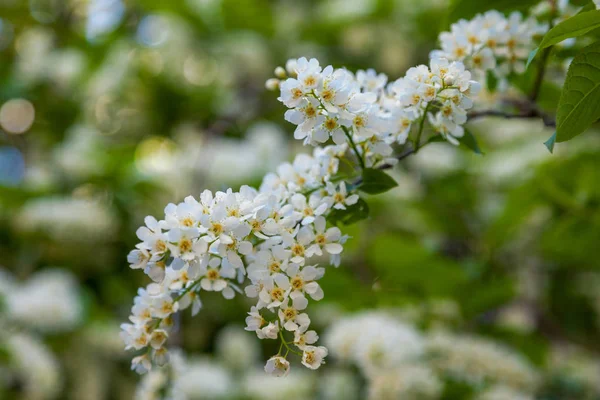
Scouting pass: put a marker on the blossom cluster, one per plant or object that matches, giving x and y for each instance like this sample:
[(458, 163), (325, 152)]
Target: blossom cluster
[(271, 236), (276, 236), (491, 41), (398, 361), (369, 113), (49, 301)]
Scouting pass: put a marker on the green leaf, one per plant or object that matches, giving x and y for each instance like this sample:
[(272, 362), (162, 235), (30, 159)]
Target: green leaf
[(469, 8), (531, 57), (577, 25), (579, 104), (435, 138), (469, 140), (352, 214), (550, 143), (376, 181)]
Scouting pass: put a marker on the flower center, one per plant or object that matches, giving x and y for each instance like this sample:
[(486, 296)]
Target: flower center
[(274, 267), (160, 246), (216, 228), (327, 95), (330, 124), (298, 250), (310, 81), (320, 239), (297, 283), (212, 274), (277, 294), (185, 245), (309, 357), (289, 313)]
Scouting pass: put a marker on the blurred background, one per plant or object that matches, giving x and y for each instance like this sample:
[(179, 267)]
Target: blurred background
[(477, 278)]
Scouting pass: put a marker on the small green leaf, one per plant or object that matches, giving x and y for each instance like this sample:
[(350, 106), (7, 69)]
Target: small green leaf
[(531, 57), (469, 140), (435, 138), (550, 143), (352, 214), (579, 104), (376, 181), (577, 25)]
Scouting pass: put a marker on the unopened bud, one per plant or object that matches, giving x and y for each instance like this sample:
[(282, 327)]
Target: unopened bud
[(272, 84), (280, 73), (290, 67)]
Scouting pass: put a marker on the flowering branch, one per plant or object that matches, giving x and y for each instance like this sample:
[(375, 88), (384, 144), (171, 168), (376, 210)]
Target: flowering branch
[(271, 237)]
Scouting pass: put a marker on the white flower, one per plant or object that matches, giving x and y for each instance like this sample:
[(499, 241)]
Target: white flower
[(314, 356), (138, 258), (303, 338), (327, 240), (290, 316), (340, 196), (215, 277), (303, 281), (254, 321), (277, 366), (49, 301), (37, 369), (370, 81), (141, 364), (271, 331)]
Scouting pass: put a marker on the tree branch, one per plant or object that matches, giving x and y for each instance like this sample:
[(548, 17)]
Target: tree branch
[(531, 113)]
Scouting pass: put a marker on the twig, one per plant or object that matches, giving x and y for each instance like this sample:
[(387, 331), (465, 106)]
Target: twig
[(532, 113)]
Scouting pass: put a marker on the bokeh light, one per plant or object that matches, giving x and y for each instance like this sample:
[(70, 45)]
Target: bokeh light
[(17, 116)]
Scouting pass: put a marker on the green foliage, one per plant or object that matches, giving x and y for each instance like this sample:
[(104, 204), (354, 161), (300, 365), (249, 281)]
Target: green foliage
[(575, 26), (376, 181), (579, 104), (401, 264), (352, 214), (470, 142), (550, 143)]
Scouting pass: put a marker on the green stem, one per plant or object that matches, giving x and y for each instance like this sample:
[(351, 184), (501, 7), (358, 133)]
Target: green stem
[(539, 78), (289, 349), (358, 155), (420, 132)]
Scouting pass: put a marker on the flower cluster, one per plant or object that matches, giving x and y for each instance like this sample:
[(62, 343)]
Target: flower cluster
[(478, 361), (399, 361), (275, 236), (212, 244), (491, 41), (370, 114)]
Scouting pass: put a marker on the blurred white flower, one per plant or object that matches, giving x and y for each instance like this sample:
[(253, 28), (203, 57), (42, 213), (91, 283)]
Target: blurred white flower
[(499, 392), (478, 361), (48, 301), (203, 378), (277, 366), (78, 155), (374, 341), (338, 384), (67, 220), (36, 366), (408, 382), (297, 386), (236, 348)]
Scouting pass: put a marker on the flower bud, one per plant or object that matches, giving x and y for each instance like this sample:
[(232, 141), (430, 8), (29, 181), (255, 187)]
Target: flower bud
[(272, 84), (280, 73)]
